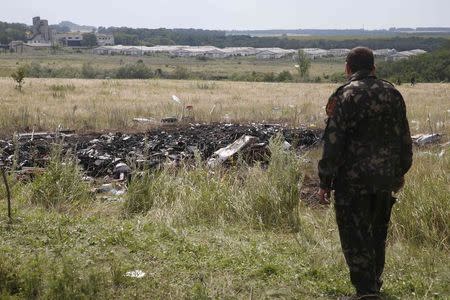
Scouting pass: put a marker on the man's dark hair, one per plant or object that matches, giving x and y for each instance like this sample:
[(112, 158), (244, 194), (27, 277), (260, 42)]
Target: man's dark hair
[(360, 58)]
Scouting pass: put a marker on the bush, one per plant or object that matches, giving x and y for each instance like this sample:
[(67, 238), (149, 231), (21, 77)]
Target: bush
[(88, 71), (18, 76), (181, 73), (284, 76), (60, 186), (134, 71)]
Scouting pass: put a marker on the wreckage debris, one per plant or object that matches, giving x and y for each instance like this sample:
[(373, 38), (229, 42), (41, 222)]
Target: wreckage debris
[(169, 120), (426, 139), (144, 120), (225, 153), (121, 171), (112, 154)]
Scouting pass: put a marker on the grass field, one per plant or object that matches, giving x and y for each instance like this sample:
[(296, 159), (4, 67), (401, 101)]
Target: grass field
[(211, 67), (197, 234), (81, 104)]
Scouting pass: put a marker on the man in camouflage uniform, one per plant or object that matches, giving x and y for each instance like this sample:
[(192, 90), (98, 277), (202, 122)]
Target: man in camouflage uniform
[(367, 151)]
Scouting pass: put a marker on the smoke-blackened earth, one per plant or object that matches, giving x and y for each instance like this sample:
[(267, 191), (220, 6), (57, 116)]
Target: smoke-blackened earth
[(99, 153)]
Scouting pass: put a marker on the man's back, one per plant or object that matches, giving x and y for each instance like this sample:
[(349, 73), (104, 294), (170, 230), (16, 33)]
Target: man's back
[(368, 124)]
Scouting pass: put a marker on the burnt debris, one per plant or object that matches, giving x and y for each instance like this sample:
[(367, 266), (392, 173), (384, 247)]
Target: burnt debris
[(112, 154)]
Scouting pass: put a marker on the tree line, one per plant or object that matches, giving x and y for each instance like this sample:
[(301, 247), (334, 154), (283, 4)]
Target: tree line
[(199, 37), (429, 67), (12, 32), (218, 38)]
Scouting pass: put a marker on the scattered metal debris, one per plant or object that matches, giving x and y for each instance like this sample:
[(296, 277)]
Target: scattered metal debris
[(144, 120), (121, 171), (225, 153), (425, 139), (135, 274), (169, 120), (109, 154)]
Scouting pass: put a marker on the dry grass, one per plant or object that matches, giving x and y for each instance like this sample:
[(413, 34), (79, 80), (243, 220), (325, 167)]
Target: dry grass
[(112, 104)]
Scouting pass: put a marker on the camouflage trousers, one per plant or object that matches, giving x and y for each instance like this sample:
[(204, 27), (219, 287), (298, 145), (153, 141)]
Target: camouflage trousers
[(363, 221)]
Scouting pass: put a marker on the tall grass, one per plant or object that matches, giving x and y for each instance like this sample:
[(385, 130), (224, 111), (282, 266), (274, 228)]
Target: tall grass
[(252, 195), (60, 187), (286, 103), (422, 215)]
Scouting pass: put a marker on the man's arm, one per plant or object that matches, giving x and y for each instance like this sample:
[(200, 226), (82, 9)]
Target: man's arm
[(406, 154), (334, 141)]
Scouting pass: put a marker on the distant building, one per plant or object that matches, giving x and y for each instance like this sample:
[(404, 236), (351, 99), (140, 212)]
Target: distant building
[(41, 32), (274, 53), (105, 39), (314, 53), (240, 51), (21, 47), (405, 55), (75, 39), (384, 52), (70, 39), (259, 53), (338, 52)]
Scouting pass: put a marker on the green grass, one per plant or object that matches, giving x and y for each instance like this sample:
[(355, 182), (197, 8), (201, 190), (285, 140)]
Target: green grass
[(191, 245)]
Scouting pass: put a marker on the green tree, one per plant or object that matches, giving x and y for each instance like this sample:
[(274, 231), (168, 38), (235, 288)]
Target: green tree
[(89, 40), (303, 64), (19, 75)]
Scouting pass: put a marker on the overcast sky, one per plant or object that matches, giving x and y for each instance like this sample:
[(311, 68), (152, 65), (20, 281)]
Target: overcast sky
[(233, 14)]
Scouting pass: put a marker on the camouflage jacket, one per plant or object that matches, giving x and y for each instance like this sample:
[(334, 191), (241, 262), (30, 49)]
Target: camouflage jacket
[(367, 142)]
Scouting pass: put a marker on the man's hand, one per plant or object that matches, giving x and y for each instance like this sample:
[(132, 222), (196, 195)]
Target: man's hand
[(324, 196), (399, 184)]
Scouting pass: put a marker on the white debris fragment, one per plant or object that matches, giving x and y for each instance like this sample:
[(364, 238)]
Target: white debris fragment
[(176, 99), (144, 120), (424, 139), (225, 153), (286, 146), (135, 274)]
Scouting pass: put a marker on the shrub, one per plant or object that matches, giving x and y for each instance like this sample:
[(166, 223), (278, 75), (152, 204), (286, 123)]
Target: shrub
[(18, 76), (284, 76), (88, 71), (181, 73), (134, 71)]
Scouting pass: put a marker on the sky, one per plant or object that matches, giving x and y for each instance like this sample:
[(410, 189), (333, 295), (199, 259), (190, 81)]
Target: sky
[(234, 14)]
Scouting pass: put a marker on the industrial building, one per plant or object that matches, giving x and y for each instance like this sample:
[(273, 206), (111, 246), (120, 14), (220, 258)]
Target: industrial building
[(259, 53)]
